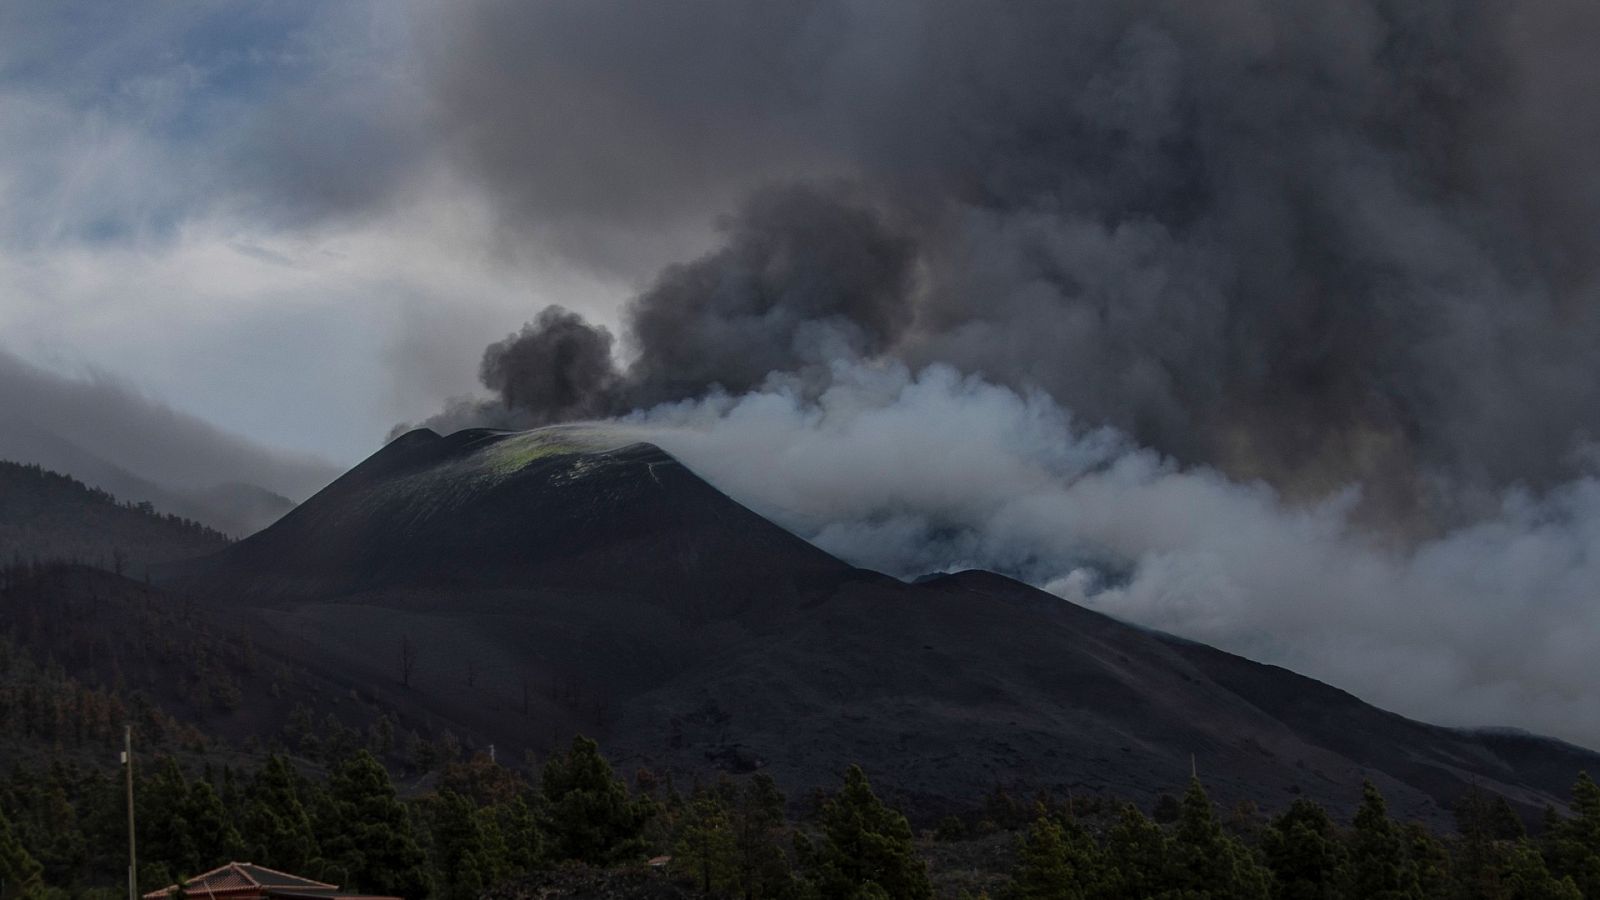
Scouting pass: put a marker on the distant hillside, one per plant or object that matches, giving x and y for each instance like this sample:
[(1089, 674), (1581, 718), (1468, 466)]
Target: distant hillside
[(98, 650), (47, 517), (236, 508), (233, 508)]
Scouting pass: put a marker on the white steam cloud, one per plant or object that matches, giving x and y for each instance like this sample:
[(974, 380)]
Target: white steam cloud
[(911, 472)]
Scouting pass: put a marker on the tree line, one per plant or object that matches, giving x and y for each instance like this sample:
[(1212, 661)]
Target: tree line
[(1301, 854), (62, 835)]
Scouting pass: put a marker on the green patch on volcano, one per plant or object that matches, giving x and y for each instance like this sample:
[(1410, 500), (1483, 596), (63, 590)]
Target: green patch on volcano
[(515, 452)]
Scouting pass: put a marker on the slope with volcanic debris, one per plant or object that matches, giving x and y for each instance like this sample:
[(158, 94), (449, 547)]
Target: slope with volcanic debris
[(558, 509), (524, 586)]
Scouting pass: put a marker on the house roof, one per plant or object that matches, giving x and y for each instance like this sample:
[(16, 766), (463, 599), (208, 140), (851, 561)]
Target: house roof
[(238, 878), (273, 878), (321, 894)]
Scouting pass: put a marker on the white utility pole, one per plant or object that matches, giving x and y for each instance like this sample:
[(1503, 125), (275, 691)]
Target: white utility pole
[(133, 859)]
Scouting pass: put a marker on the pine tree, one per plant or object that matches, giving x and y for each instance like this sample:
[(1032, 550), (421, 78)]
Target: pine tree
[(1523, 876), (520, 831), (371, 838), (55, 838), (1586, 804), (232, 798), (1304, 854), (1167, 810), (380, 737), (163, 797), (763, 867), (1134, 863), (1049, 865), (316, 797), (1207, 862), (1380, 868), (496, 856), (21, 876), (461, 855), (212, 835), (1575, 844), (867, 847), (706, 850), (276, 823), (102, 816), (592, 818), (1429, 858)]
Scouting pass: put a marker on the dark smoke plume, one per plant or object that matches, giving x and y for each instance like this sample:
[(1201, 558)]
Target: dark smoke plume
[(557, 368), (806, 276), (1313, 242), (1157, 305)]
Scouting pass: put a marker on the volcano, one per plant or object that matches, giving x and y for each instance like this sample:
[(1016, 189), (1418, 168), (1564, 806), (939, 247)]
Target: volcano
[(517, 588)]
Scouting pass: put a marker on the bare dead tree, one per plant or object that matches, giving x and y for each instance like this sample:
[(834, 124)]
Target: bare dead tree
[(565, 690), (408, 659)]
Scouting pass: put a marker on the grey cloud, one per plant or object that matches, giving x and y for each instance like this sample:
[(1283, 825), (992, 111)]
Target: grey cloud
[(1160, 305), (108, 434), (1312, 242), (605, 129), (1177, 300), (127, 123), (558, 367), (914, 472), (808, 274)]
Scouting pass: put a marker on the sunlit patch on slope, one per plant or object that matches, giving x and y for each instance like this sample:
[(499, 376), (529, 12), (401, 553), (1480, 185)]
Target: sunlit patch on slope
[(515, 452)]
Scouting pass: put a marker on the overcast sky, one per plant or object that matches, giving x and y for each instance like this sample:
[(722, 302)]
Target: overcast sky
[(239, 208)]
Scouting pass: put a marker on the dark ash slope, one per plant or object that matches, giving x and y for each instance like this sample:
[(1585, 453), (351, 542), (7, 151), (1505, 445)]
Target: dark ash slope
[(567, 580)]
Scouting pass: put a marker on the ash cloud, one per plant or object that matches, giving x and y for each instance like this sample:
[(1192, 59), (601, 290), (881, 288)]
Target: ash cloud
[(808, 274), (910, 472), (1316, 242), (1269, 323), (558, 367)]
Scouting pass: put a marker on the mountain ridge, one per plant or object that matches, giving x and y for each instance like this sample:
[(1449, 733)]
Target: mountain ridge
[(638, 603), (432, 509), (234, 508), (49, 517)]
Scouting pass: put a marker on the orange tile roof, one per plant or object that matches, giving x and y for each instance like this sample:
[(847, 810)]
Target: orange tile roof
[(243, 877)]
